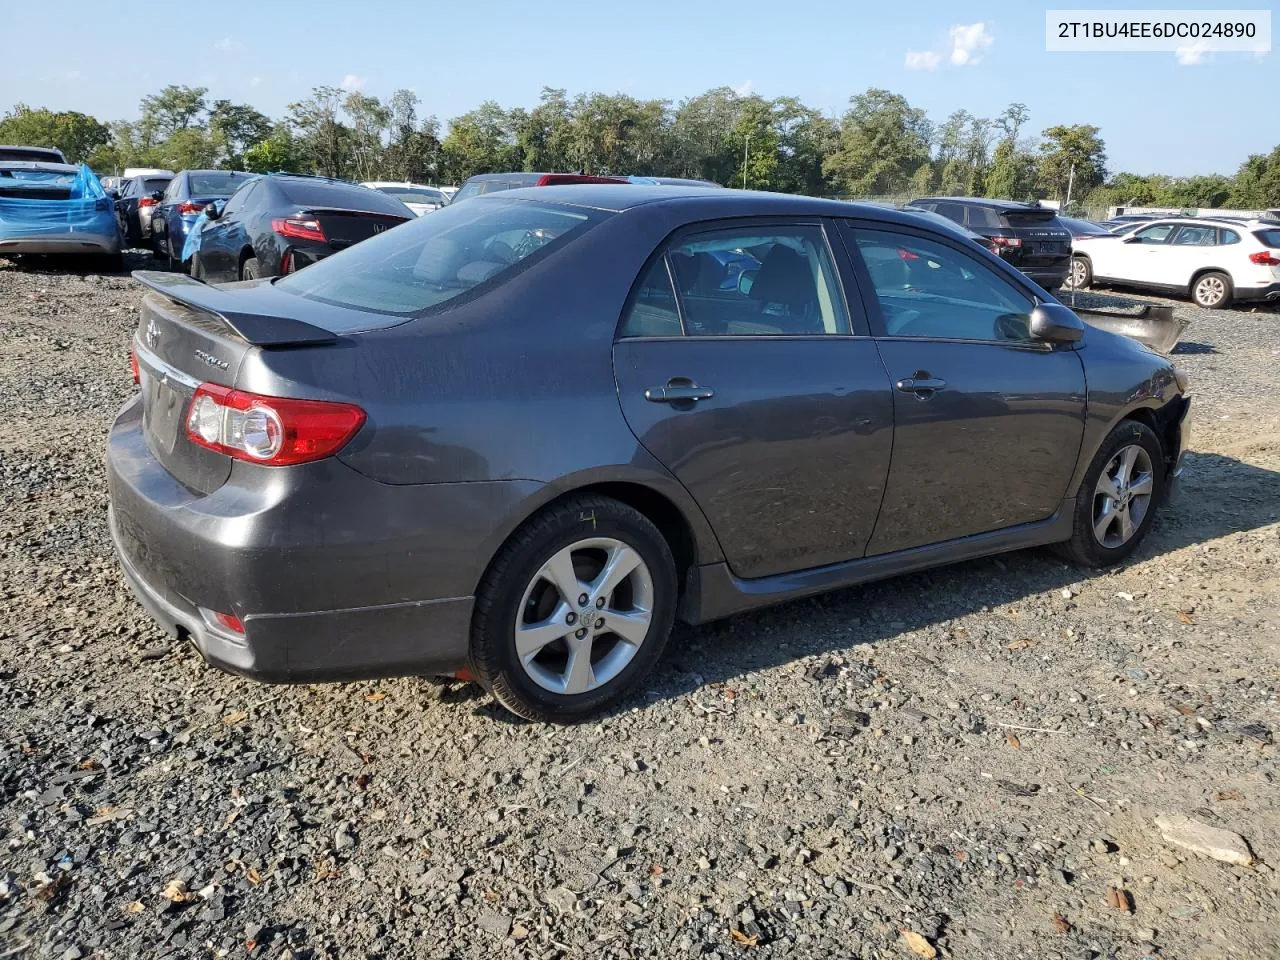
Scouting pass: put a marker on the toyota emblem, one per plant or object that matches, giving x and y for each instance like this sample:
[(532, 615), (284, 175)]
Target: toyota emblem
[(153, 334)]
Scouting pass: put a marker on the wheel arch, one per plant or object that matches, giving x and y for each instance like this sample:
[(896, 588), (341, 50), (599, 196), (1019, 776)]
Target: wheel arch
[(1201, 271)]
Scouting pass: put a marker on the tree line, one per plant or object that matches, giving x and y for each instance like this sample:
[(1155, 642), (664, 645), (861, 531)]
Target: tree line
[(882, 146)]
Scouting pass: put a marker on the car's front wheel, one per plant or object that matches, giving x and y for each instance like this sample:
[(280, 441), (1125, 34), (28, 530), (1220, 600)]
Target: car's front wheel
[(1212, 290), (574, 611), (1117, 499), (1081, 274)]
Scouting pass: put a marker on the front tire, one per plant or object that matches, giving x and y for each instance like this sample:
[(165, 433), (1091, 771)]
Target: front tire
[(1212, 291), (574, 611), (250, 269), (1117, 499)]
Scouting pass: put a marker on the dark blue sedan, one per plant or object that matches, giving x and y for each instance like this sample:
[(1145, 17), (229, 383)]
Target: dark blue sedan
[(181, 203)]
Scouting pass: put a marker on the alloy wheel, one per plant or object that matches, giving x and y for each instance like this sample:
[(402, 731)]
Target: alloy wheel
[(1076, 278), (1210, 291), (1122, 496), (584, 616)]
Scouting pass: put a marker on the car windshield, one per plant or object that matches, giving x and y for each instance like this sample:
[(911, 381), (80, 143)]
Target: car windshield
[(414, 194), (437, 258), (217, 184)]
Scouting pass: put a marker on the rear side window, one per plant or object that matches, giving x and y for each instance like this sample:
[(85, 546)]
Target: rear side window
[(1196, 237), (952, 211), (981, 218), (1268, 238), (763, 281), (434, 259), (1228, 236)]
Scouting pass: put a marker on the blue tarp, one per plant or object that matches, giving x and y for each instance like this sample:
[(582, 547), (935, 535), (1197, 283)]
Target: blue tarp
[(192, 243), (87, 208)]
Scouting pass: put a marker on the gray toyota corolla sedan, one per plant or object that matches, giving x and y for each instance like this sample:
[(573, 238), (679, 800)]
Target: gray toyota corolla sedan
[(516, 439)]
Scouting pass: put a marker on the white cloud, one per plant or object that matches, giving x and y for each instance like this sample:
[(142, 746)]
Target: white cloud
[(352, 82), (255, 81), (743, 89), (1194, 54), (228, 43), (967, 43), (923, 59), (73, 75)]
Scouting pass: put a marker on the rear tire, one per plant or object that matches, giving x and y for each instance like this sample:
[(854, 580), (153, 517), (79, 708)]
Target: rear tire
[(532, 593), (1117, 499), (197, 268), (1212, 290), (250, 270), (1080, 275)]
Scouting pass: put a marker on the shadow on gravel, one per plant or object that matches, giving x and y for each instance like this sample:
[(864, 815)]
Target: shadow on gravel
[(1190, 346), (1219, 496), (83, 264)]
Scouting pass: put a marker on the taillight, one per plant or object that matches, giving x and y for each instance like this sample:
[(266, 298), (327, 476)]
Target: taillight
[(298, 228), (147, 202), (1007, 241), (190, 207), (230, 621), (1264, 258), (133, 365), (286, 263), (275, 431)]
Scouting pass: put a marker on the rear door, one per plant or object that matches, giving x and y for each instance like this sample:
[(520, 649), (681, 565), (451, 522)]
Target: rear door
[(987, 423), (1191, 247), (222, 240), (758, 395)]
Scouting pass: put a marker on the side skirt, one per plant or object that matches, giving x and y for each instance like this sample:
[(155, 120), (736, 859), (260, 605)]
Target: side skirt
[(712, 591)]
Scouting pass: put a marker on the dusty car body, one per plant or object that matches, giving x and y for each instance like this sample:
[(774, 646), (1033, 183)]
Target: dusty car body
[(545, 432)]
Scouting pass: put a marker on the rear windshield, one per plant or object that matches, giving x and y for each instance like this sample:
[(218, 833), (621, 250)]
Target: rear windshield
[(156, 185), (1269, 238), (1025, 217), (217, 184), (412, 195), (35, 154), (433, 259), (341, 196)]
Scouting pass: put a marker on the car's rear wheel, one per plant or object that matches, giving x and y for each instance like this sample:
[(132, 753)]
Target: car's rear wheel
[(250, 270), (1081, 274), (1211, 290), (1117, 499), (574, 611)]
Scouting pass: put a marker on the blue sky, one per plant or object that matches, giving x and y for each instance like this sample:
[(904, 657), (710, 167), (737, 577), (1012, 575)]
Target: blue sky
[(1156, 113)]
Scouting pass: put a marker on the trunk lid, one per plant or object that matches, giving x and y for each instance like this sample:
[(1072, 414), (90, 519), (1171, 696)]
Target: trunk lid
[(190, 333), (342, 228)]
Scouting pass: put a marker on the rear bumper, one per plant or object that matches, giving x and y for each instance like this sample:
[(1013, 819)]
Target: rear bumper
[(1270, 292), (1049, 277), (334, 575), (108, 243)]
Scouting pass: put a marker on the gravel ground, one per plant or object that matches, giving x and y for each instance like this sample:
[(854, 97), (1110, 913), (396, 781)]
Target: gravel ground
[(967, 761)]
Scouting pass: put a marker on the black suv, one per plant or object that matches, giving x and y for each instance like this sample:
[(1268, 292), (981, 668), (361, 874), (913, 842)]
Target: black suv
[(1028, 236)]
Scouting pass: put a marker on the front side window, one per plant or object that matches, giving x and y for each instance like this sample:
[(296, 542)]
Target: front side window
[(238, 199), (434, 259), (928, 289), (753, 281), (1157, 234)]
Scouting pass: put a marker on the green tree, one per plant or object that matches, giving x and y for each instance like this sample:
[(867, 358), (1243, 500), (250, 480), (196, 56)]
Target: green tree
[(1013, 172), (483, 140), (546, 136), (77, 135), (883, 141), (805, 136), (172, 109), (369, 120), (322, 140), (1074, 155), (278, 151), (1257, 183), (237, 127)]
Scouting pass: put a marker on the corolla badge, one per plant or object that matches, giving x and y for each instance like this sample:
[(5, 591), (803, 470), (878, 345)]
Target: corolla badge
[(153, 334), (211, 360)]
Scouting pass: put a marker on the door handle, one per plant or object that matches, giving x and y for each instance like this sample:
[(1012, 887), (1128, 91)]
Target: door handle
[(922, 385), (678, 391)]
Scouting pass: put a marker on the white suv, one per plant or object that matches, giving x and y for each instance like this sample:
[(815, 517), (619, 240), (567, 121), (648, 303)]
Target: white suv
[(1214, 261)]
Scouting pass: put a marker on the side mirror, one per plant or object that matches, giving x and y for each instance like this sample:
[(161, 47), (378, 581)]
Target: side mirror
[(113, 193), (158, 195), (745, 281), (1054, 323), (213, 210)]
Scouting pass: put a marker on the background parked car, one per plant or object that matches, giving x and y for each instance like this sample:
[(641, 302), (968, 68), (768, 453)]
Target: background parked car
[(56, 208), (397, 492), (180, 204), (134, 205), (449, 192), (1083, 228), (984, 242), (417, 197), (1028, 236), (1215, 262), (483, 183), (279, 223), (34, 154), (673, 181)]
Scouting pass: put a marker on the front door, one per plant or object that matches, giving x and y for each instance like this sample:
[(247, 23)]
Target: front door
[(737, 369), (987, 422)]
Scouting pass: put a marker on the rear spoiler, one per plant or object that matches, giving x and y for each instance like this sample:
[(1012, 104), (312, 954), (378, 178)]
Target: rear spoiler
[(261, 330), (1153, 325)]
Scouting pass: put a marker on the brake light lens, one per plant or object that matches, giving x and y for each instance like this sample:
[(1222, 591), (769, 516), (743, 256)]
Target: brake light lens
[(1264, 258), (274, 431), (1007, 241), (190, 207), (133, 365), (147, 202), (230, 621), (299, 228)]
